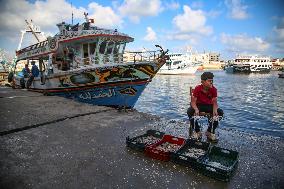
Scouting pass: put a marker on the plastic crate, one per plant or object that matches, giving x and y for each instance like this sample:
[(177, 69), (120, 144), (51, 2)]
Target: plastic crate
[(154, 151), (190, 153), (137, 143), (219, 163)]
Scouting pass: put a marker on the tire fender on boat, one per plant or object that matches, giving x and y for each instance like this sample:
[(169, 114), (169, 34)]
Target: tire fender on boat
[(10, 77)]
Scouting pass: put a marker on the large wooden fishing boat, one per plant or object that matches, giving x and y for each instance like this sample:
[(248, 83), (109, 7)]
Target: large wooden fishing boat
[(85, 63)]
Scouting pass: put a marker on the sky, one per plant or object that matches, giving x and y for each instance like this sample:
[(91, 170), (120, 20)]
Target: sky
[(228, 27)]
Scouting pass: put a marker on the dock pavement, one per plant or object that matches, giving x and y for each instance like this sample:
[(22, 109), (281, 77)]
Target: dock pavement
[(53, 142)]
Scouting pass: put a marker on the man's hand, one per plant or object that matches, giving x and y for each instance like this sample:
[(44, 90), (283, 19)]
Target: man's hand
[(196, 113), (215, 106), (215, 112)]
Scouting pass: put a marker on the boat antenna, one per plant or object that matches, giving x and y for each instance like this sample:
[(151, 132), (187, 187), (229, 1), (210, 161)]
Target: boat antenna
[(72, 12), (86, 17)]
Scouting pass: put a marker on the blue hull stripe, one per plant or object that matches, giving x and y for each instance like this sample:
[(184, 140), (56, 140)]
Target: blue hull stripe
[(118, 96)]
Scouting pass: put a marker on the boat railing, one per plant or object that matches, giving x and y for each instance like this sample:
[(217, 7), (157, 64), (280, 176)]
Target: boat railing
[(141, 56), (75, 33), (34, 46), (118, 58)]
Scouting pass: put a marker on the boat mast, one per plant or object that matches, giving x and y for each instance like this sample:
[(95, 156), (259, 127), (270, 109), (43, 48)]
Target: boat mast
[(86, 17), (72, 13), (32, 30), (21, 40)]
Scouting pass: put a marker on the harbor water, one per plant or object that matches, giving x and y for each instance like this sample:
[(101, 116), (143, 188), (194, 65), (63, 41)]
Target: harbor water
[(252, 103)]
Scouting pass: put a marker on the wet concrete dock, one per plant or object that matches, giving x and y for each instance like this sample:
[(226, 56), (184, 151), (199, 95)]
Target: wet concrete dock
[(53, 142)]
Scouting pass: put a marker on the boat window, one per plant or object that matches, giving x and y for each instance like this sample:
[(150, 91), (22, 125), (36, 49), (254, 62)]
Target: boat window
[(116, 48), (109, 47), (102, 47), (176, 62), (85, 50), (93, 47), (121, 48)]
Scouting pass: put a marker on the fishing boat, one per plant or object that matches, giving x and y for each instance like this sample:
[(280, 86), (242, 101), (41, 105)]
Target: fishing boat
[(85, 63), (179, 64), (252, 63)]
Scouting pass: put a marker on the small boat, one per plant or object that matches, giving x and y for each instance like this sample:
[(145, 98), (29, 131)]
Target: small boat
[(281, 75), (229, 69), (252, 63), (4, 67), (85, 63), (179, 64)]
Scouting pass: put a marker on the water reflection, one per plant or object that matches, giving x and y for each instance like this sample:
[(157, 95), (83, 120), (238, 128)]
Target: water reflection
[(253, 102)]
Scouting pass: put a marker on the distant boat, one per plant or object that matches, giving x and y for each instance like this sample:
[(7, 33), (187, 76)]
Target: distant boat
[(5, 65), (229, 69), (179, 64), (281, 75), (251, 63), (85, 63)]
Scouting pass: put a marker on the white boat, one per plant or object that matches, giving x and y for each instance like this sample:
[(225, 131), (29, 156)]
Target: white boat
[(179, 64), (252, 63), (85, 63)]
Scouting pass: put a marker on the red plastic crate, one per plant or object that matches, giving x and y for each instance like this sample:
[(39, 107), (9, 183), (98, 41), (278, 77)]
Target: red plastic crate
[(155, 153)]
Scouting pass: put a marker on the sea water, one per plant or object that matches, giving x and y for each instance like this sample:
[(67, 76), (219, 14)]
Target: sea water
[(251, 102)]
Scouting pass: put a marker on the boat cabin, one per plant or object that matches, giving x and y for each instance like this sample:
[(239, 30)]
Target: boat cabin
[(78, 45)]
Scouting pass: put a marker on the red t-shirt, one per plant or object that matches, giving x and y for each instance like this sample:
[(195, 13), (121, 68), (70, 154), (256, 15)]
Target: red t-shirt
[(202, 97)]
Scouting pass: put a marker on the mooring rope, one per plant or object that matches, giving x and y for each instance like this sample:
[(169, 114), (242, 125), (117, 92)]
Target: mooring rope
[(3, 133), (19, 96)]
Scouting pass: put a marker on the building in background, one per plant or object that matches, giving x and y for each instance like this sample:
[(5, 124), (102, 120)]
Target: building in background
[(209, 60)]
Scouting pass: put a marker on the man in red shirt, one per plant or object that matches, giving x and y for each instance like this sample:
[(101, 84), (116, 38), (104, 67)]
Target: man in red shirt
[(204, 99)]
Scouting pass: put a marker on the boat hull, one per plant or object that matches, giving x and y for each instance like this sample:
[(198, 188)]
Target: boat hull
[(116, 85), (249, 69), (118, 94)]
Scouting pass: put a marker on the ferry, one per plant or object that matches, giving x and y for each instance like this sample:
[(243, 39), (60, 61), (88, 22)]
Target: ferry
[(179, 64), (251, 63), (85, 63)]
